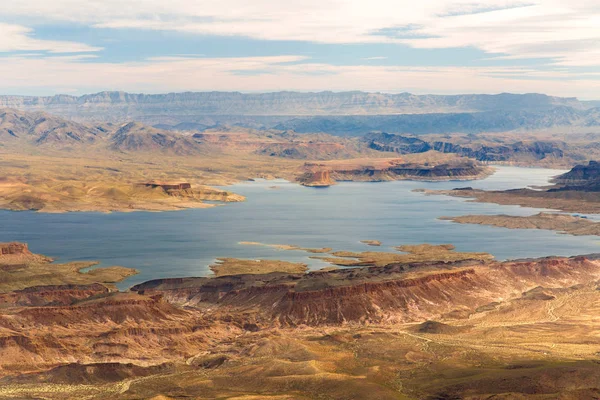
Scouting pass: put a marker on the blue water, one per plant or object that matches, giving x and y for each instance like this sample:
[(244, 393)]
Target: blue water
[(184, 243)]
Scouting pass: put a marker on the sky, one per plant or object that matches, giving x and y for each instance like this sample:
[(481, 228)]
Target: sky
[(427, 46)]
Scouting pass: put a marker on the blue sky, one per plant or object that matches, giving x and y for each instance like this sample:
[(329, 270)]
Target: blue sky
[(441, 46)]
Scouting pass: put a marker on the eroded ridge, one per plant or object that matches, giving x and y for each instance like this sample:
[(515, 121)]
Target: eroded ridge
[(386, 330)]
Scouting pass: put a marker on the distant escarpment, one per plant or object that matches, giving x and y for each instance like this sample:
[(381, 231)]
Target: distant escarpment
[(343, 113), (378, 170), (115, 105), (445, 123)]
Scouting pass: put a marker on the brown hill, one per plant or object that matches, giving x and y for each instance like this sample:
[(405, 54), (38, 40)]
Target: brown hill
[(43, 129), (136, 137)]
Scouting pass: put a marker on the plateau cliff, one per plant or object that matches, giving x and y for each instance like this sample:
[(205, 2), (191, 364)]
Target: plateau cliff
[(344, 113), (321, 174)]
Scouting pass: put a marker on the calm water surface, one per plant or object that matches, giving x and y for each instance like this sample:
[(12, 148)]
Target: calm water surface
[(184, 243)]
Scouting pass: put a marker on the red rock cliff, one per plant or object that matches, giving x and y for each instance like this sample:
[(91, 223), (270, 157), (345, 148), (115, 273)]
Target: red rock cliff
[(14, 248)]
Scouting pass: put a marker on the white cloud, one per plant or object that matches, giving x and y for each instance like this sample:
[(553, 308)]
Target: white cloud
[(19, 38), (375, 58), (279, 73), (518, 28), (564, 32)]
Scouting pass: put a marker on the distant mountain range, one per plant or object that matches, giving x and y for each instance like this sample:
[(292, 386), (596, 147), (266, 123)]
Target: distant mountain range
[(40, 132), (344, 113)]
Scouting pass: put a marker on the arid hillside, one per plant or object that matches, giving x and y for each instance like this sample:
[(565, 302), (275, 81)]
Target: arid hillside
[(54, 165), (423, 323)]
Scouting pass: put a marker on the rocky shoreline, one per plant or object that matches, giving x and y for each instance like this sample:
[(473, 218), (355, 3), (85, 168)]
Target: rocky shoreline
[(567, 224)]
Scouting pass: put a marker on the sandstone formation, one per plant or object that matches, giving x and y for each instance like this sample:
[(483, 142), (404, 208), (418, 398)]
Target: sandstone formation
[(316, 177), (385, 169), (12, 249), (289, 247), (18, 253), (568, 201)]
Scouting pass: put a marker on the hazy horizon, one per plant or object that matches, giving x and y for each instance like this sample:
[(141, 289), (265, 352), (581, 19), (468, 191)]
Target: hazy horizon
[(266, 92)]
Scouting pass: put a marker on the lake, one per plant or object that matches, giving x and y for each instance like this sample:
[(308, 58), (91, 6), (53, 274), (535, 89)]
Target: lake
[(185, 243)]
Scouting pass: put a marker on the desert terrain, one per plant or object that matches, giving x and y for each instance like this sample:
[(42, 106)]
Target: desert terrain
[(299, 200), (408, 322), (427, 322), (50, 164)]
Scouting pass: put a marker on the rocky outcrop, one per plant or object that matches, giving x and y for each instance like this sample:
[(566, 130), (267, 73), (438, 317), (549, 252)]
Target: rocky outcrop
[(581, 177), (15, 253), (168, 186), (389, 294), (537, 150), (477, 149), (26, 278), (14, 248), (58, 295), (378, 170), (396, 143), (206, 193), (316, 178)]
